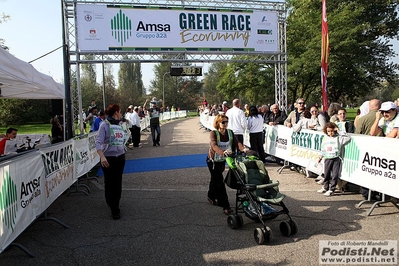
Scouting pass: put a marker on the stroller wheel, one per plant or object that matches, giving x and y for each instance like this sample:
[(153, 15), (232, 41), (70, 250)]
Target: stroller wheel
[(285, 228), (294, 227), (241, 220), (263, 235), (259, 236), (233, 221)]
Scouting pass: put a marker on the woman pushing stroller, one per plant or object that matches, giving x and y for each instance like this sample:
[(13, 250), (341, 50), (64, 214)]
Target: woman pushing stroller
[(222, 142)]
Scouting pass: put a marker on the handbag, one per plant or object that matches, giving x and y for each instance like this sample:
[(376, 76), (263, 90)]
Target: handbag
[(231, 180)]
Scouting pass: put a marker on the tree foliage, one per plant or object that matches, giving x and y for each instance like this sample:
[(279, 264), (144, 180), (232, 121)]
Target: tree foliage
[(130, 83), (183, 92), (359, 59)]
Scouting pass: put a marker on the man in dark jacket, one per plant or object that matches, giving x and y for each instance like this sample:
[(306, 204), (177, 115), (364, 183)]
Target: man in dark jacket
[(275, 117)]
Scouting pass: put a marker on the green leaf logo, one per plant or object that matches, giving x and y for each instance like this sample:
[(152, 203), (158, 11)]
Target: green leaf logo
[(351, 157), (8, 202), (121, 27)]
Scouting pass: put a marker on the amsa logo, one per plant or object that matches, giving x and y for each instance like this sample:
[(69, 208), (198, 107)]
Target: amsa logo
[(281, 143), (8, 200)]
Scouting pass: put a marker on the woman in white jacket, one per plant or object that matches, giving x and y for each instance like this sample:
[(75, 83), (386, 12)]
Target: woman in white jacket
[(255, 127)]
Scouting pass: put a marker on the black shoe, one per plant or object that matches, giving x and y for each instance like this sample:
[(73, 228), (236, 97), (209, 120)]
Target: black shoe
[(158, 143), (116, 216), (154, 144)]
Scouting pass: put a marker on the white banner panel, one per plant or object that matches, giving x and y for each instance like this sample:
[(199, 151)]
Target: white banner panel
[(104, 28), (59, 169), (368, 161), (21, 195)]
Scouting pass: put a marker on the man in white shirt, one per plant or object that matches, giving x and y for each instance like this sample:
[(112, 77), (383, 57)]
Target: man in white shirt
[(135, 127), (237, 121)]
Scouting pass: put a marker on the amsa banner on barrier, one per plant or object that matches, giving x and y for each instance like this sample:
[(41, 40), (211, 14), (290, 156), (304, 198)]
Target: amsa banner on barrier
[(22, 195), (86, 156), (368, 161), (59, 167), (106, 27)]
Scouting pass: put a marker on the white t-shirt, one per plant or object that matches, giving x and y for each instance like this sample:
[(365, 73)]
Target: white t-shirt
[(387, 126)]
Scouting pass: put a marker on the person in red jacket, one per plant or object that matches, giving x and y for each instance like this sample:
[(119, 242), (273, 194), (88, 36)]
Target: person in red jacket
[(11, 133)]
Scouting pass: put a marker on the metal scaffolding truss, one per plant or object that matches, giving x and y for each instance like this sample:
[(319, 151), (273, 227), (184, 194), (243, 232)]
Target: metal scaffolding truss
[(76, 58)]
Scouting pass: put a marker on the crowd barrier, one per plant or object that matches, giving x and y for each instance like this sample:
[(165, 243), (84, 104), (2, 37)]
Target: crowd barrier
[(368, 161), (32, 181)]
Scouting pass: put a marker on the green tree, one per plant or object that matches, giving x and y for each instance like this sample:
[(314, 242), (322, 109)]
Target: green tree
[(130, 83), (89, 86), (211, 80), (359, 49)]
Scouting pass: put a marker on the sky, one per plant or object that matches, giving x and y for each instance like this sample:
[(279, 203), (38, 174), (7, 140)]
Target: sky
[(34, 29)]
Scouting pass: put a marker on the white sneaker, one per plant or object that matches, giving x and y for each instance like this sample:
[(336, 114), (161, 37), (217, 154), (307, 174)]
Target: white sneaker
[(320, 182), (328, 193), (322, 190)]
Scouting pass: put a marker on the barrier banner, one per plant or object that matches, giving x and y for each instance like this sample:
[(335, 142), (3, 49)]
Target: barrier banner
[(298, 148), (371, 166), (82, 157), (59, 169), (21, 195), (371, 162), (94, 157)]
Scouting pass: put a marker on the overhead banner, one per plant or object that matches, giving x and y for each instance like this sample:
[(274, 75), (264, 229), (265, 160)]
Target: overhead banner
[(105, 28)]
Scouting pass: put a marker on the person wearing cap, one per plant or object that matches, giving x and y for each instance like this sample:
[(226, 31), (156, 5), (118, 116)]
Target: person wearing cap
[(385, 121), (224, 107)]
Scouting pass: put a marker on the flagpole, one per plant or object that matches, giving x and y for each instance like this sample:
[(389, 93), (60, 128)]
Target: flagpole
[(325, 47)]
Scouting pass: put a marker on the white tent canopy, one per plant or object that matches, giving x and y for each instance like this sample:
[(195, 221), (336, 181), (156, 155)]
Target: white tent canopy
[(19, 79)]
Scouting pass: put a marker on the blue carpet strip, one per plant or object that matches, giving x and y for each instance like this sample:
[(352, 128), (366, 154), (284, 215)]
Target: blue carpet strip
[(162, 163)]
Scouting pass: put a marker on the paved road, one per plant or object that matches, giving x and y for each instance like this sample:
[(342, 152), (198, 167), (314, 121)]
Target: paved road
[(166, 219)]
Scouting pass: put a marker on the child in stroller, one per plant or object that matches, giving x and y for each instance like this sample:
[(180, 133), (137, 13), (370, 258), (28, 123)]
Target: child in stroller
[(256, 197)]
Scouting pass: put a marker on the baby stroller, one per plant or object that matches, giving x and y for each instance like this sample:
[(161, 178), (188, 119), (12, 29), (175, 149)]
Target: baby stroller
[(257, 197)]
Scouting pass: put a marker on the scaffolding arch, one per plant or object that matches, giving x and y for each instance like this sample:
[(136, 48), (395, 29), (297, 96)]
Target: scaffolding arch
[(73, 55)]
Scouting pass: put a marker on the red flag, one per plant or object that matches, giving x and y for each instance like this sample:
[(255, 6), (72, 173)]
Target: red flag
[(325, 47)]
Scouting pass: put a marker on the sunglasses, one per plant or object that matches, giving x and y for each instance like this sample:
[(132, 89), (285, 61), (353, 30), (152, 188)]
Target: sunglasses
[(387, 111), (301, 103), (224, 122)]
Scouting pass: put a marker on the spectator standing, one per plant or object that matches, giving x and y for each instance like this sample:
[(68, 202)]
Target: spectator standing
[(331, 151), (385, 121), (246, 110), (333, 111), (99, 119), (317, 120), (276, 116), (265, 111), (129, 121), (92, 117), (136, 133), (154, 113), (11, 133), (57, 133), (225, 107), (304, 122), (297, 114), (237, 122), (110, 145), (255, 127), (343, 123), (221, 144)]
